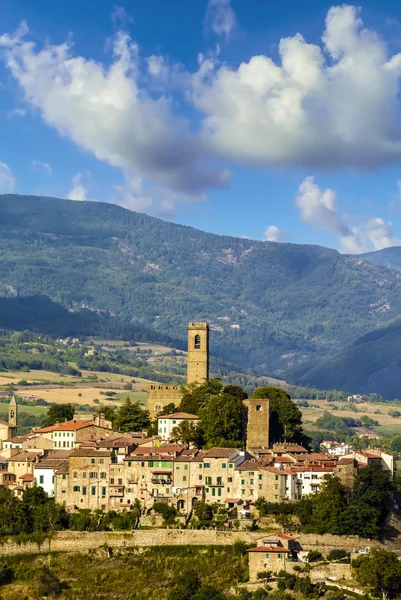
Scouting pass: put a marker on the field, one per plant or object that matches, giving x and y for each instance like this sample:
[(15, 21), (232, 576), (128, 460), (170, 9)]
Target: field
[(387, 425), (37, 411)]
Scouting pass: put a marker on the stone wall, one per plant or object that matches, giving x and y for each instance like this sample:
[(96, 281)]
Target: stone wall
[(81, 541)]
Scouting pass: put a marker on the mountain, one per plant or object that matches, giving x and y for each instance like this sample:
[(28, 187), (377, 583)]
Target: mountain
[(388, 257), (271, 306), (371, 365)]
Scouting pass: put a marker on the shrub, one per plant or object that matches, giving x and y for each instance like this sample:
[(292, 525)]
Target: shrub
[(314, 556), (337, 554), (239, 548), (264, 574)]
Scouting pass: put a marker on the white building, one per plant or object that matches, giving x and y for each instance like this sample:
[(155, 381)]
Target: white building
[(44, 470), (310, 478), (166, 423), (335, 448)]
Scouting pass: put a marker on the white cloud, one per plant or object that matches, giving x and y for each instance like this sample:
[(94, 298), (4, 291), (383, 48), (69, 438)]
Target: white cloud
[(78, 191), (220, 17), (121, 17), (335, 106), (7, 181), (105, 111), (274, 234), (318, 208), (17, 112), (43, 167)]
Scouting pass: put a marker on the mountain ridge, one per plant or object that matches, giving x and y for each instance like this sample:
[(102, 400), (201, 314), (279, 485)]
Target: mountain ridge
[(271, 306)]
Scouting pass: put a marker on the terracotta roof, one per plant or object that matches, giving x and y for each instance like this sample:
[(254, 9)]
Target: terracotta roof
[(27, 477), (67, 426), (288, 448), (22, 456), (248, 465), (346, 461), (18, 439), (284, 536), (193, 457), (168, 449), (284, 460), (3, 423), (179, 415), (220, 452), (90, 452)]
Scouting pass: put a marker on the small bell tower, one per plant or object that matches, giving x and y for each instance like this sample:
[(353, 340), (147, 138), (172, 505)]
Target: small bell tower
[(198, 353), (12, 412)]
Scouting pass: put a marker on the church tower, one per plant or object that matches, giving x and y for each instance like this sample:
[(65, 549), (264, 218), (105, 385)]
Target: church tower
[(198, 352), (12, 412)]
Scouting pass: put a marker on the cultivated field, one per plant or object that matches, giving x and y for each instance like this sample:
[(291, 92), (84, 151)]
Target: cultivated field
[(387, 425)]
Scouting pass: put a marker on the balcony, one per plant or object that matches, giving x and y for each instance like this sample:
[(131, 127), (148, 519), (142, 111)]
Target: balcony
[(161, 481)]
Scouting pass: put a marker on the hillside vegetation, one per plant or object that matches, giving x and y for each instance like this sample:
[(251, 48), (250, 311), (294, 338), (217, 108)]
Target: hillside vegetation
[(272, 306), (372, 364)]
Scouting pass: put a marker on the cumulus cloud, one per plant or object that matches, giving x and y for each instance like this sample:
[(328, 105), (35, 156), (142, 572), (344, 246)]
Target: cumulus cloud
[(42, 167), (220, 17), (106, 111), (330, 106), (7, 181), (274, 234), (318, 208), (78, 191)]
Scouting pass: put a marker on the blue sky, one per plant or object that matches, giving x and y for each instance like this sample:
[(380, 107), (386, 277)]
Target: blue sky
[(210, 113)]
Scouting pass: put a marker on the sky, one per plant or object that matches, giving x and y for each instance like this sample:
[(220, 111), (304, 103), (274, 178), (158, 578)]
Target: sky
[(267, 119)]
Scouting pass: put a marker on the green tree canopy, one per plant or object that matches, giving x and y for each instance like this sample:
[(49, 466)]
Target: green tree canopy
[(285, 416), (222, 421), (131, 417), (195, 395), (188, 433), (58, 413), (380, 570)]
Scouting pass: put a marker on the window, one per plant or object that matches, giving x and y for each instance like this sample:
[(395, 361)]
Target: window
[(279, 555), (223, 465), (229, 479), (260, 486), (207, 465), (101, 461), (184, 478), (41, 479), (200, 477), (84, 490), (93, 490), (76, 488), (64, 445), (93, 461), (243, 492), (251, 481), (258, 407), (150, 463), (185, 467), (129, 463), (213, 491), (207, 490), (260, 477), (267, 555), (52, 478), (230, 466), (75, 475), (84, 475), (219, 481), (103, 491), (174, 422), (120, 482), (242, 481), (208, 480), (102, 475), (200, 465), (219, 492), (276, 477), (92, 475), (197, 342), (228, 490), (112, 481), (64, 476)]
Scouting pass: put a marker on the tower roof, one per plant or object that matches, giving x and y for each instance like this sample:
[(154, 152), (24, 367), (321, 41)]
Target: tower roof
[(13, 401)]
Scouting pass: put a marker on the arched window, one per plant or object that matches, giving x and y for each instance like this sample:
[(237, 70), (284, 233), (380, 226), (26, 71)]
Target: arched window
[(158, 408), (197, 342)]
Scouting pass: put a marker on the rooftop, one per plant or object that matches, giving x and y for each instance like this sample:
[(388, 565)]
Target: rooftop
[(67, 426), (179, 415), (221, 452)]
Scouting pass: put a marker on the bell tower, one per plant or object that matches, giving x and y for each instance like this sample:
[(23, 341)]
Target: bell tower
[(12, 412), (198, 352)]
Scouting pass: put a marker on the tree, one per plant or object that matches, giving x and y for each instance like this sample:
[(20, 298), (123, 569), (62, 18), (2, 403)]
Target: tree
[(285, 417), (187, 433), (379, 570), (131, 417), (222, 420), (195, 395), (167, 511), (108, 412), (58, 413), (184, 586), (235, 390)]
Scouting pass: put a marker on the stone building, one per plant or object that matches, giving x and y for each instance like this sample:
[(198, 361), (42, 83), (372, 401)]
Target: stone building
[(257, 430), (272, 553), (160, 396), (70, 434)]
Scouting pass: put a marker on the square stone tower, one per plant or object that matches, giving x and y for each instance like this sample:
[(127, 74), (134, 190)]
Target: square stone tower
[(198, 352), (257, 429)]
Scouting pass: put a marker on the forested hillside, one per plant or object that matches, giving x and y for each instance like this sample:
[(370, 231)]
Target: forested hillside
[(271, 306)]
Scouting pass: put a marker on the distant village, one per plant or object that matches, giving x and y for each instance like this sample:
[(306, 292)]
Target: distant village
[(84, 464)]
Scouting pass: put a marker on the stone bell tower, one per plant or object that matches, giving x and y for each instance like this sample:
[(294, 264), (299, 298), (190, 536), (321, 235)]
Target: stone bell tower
[(198, 352), (12, 413)]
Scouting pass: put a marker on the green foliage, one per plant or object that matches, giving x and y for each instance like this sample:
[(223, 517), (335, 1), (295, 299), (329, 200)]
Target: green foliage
[(195, 395), (314, 556), (131, 417), (240, 547), (337, 554), (222, 421), (58, 413), (188, 433), (167, 511), (275, 508), (285, 417), (380, 571), (334, 510)]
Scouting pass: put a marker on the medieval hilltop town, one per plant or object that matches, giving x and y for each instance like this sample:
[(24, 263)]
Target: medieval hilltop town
[(84, 464)]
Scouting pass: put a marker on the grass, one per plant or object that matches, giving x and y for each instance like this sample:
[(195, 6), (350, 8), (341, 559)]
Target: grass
[(31, 410), (145, 574), (32, 376), (389, 429)]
